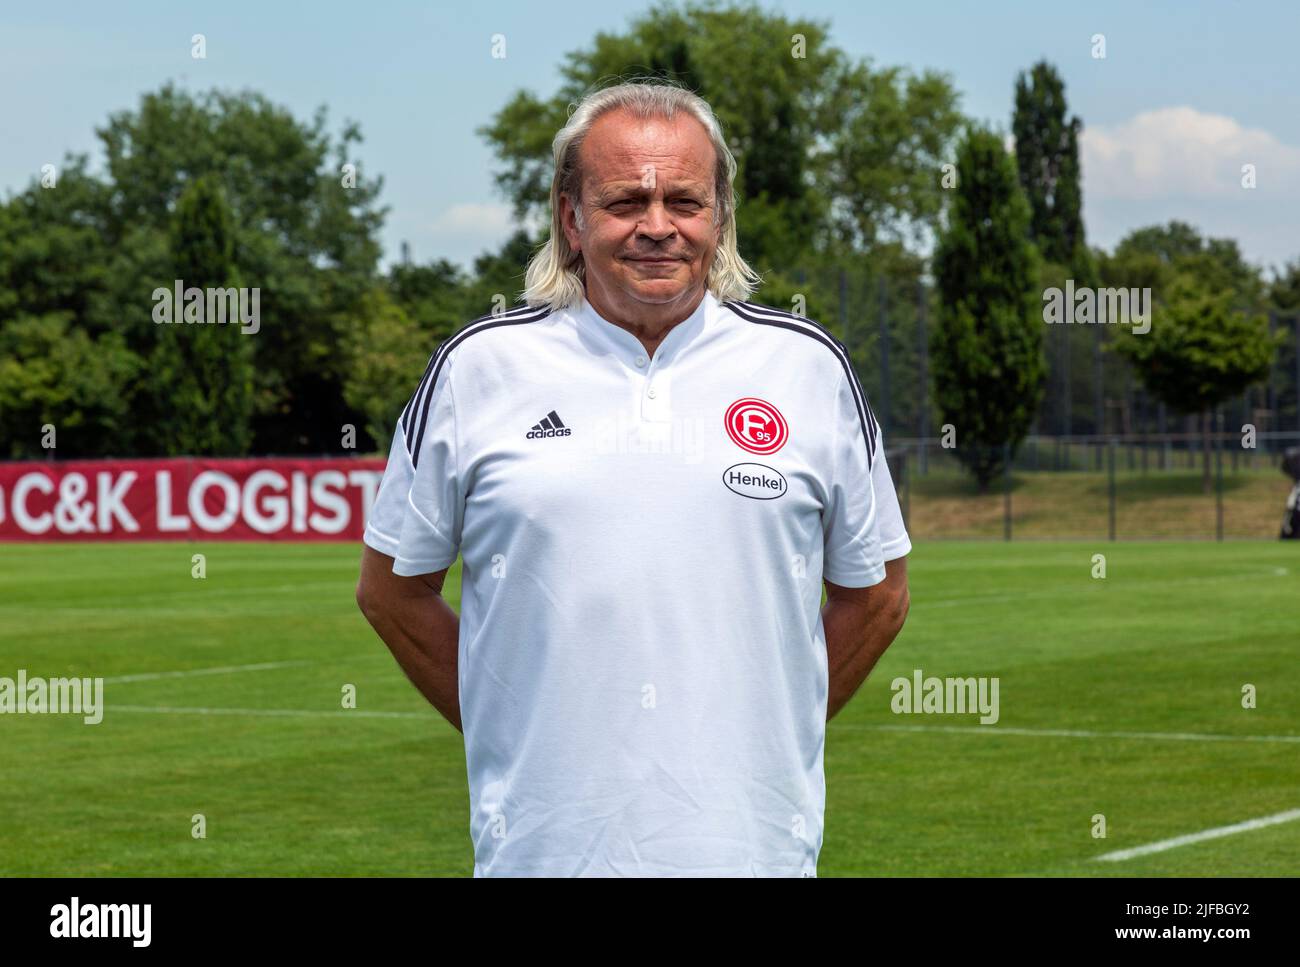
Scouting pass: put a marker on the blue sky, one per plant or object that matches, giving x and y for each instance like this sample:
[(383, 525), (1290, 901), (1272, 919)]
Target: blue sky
[(1187, 93)]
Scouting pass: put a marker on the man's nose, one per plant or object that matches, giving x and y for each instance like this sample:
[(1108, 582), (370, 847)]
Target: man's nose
[(656, 223)]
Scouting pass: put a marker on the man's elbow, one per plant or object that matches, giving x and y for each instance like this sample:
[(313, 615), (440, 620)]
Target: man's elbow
[(901, 605), (366, 599), (370, 595), (894, 608), (374, 584)]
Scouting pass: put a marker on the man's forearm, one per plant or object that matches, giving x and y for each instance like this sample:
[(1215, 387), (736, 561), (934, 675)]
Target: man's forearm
[(422, 631), (424, 639), (857, 634)]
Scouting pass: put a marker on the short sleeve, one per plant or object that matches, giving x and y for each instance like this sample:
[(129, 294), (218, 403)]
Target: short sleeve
[(894, 542), (384, 525), (428, 538), (853, 556)]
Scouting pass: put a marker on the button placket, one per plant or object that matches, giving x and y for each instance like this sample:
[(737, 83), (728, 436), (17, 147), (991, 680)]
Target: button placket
[(651, 387), (654, 396)]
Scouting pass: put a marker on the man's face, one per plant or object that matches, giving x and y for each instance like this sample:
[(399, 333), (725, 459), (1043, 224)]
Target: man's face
[(648, 236)]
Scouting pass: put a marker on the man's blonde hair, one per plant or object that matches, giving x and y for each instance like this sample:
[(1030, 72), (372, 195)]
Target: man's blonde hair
[(556, 272)]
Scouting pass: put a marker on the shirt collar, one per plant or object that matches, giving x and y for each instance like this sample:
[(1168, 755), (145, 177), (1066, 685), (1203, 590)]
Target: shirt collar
[(615, 339)]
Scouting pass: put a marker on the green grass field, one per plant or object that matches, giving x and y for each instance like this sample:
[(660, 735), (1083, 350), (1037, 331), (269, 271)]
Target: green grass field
[(290, 784)]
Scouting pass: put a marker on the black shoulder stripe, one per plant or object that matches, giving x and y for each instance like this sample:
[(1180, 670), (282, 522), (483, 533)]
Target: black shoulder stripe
[(768, 316), (420, 401), (412, 405), (771, 316)]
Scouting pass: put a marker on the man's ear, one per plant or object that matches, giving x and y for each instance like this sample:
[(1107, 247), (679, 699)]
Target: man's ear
[(568, 223)]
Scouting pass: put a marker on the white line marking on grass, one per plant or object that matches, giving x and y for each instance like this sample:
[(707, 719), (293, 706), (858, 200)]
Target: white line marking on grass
[(227, 669), (995, 598), (964, 730), (341, 713), (1164, 844), (1072, 733)]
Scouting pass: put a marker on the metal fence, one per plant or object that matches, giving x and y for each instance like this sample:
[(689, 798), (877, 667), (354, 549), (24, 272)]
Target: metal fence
[(1119, 487), (1090, 390)]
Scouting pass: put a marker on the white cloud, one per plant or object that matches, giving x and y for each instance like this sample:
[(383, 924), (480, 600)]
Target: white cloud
[(473, 220), (1183, 152), (460, 233)]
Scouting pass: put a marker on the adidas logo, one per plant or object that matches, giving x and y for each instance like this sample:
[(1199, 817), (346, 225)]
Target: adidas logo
[(550, 425)]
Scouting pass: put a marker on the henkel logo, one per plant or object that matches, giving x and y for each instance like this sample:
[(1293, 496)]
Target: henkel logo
[(756, 425), (755, 480)]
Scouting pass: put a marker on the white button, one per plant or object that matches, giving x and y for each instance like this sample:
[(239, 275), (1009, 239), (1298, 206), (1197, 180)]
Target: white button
[(640, 360), (651, 394)]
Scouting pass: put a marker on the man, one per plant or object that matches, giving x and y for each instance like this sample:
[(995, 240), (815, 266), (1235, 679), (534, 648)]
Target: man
[(647, 480), (1291, 516)]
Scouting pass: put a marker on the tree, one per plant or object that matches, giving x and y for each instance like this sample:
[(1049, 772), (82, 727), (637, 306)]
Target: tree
[(1047, 160), (986, 346), (305, 232), (387, 355), (1284, 296), (831, 154), (1200, 351), (201, 386), (497, 279), (888, 134), (1284, 290), (1047, 157), (1155, 255), (52, 374), (432, 296), (307, 236), (55, 271)]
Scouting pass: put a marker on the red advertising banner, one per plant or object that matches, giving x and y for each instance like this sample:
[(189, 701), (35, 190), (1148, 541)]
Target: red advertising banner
[(255, 499)]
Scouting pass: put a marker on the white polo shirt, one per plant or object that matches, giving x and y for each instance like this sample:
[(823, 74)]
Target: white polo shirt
[(642, 663)]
